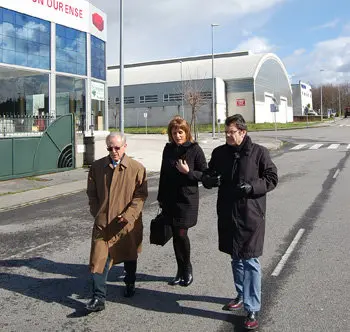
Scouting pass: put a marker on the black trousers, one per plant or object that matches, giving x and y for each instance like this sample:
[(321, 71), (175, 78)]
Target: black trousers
[(99, 287), (182, 248)]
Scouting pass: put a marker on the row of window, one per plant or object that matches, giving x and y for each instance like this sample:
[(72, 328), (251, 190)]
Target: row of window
[(26, 40), (167, 97)]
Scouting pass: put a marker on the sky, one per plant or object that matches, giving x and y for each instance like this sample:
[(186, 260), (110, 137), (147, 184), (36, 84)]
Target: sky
[(311, 37)]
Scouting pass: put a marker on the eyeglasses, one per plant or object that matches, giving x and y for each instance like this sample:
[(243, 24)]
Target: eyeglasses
[(115, 148), (231, 133)]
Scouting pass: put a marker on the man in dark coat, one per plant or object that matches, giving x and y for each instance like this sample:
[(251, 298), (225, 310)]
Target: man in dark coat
[(244, 173)]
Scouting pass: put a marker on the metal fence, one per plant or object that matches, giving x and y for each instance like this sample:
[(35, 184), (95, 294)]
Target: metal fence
[(24, 125)]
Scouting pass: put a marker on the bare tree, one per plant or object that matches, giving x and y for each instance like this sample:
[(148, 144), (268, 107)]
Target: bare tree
[(195, 96)]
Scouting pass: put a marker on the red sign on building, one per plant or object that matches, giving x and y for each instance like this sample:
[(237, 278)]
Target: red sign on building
[(98, 22), (240, 102)]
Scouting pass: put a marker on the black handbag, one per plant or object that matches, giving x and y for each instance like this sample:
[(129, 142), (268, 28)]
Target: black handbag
[(161, 231)]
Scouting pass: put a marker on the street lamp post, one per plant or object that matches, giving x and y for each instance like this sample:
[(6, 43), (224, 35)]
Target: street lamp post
[(213, 78), (321, 70), (121, 70), (182, 92)]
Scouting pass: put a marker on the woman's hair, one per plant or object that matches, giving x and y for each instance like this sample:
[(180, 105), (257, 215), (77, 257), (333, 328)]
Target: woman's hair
[(179, 123)]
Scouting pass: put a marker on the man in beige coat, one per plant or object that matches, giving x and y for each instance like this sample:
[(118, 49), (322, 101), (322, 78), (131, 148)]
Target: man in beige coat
[(117, 190)]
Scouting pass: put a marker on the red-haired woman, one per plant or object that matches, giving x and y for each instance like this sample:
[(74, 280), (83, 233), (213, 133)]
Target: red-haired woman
[(182, 165)]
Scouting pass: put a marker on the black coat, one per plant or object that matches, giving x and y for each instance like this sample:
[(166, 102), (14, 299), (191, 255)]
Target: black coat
[(178, 193), (241, 220)]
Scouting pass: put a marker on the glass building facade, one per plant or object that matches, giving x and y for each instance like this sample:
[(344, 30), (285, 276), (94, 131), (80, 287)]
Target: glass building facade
[(37, 56), (98, 58), (25, 40)]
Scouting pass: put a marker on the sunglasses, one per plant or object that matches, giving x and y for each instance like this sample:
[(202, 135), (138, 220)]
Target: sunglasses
[(115, 148)]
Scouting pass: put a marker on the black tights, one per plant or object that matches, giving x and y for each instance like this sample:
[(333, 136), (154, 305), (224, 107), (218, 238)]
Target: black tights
[(182, 248)]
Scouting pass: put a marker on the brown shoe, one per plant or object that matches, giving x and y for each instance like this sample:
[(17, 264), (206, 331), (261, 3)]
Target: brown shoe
[(233, 305)]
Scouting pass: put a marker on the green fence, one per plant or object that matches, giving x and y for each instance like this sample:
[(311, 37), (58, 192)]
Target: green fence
[(51, 152)]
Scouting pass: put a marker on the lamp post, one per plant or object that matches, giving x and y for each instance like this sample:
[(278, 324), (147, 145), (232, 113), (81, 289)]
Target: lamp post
[(182, 92), (121, 69), (321, 70), (213, 77)]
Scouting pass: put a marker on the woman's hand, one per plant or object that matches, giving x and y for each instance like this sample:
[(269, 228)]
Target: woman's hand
[(182, 166)]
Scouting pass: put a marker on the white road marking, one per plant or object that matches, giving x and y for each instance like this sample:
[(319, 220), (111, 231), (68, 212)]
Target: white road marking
[(289, 251), (333, 146), (315, 147), (29, 250), (298, 147), (336, 173)]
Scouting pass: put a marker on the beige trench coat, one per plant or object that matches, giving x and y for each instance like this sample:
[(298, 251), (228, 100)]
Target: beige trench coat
[(113, 192)]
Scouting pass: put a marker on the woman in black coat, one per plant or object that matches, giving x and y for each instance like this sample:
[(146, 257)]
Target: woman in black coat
[(182, 165)]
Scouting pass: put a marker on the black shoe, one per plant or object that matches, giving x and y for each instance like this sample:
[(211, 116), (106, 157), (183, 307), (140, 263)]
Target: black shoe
[(233, 305), (187, 280), (129, 290), (177, 280), (95, 305), (251, 322)]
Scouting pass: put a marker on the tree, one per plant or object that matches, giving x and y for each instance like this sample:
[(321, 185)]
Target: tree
[(195, 96)]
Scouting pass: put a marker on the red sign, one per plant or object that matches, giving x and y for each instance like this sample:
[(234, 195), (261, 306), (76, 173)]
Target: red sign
[(240, 102), (98, 22)]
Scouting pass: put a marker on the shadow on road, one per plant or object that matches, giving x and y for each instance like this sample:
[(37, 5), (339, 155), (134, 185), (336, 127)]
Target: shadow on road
[(70, 291)]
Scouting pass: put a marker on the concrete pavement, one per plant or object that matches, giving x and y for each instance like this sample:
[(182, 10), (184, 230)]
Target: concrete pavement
[(145, 148)]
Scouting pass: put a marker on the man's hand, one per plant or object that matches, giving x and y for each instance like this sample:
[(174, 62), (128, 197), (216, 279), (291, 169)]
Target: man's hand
[(245, 188), (121, 220), (210, 181)]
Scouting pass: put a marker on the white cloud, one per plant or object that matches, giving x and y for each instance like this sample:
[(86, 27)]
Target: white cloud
[(327, 25), (333, 56), (256, 45), (299, 51), (158, 29)]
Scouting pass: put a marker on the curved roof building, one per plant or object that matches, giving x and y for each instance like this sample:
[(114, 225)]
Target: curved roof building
[(244, 83)]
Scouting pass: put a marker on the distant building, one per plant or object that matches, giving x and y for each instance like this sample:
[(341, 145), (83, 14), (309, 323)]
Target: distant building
[(244, 83), (302, 98)]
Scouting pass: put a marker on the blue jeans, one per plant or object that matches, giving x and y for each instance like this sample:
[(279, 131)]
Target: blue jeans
[(247, 278), (99, 286)]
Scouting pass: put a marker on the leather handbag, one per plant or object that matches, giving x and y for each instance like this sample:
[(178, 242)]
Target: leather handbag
[(161, 231)]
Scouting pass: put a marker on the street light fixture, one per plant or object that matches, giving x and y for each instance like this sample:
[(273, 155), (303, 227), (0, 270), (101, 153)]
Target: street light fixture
[(121, 69), (213, 77), (321, 70), (182, 92)]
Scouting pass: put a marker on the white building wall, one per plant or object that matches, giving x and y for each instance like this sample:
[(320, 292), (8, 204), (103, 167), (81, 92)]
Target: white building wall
[(242, 103)]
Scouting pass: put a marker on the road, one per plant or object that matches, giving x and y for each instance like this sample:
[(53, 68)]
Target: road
[(44, 280)]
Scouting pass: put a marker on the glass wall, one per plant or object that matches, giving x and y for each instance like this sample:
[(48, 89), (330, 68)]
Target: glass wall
[(70, 50), (24, 40), (98, 58), (70, 98)]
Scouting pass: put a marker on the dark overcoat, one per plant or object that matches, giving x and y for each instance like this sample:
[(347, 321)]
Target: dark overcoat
[(178, 193), (241, 220)]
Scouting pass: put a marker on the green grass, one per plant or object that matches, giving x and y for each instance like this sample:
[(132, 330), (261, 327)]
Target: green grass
[(206, 128)]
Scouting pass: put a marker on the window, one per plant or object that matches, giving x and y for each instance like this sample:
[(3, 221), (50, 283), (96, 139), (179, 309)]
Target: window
[(172, 97), (70, 50), (25, 40), (148, 99), (127, 100), (206, 95), (98, 58)]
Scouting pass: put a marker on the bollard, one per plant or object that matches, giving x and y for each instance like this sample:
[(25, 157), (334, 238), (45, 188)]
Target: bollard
[(89, 154)]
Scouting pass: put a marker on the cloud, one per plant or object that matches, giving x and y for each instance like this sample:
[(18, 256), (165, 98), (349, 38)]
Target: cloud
[(256, 45), (158, 29), (328, 25), (299, 51), (333, 56)]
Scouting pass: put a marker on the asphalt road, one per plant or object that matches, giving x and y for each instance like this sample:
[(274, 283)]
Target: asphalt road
[(44, 280)]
